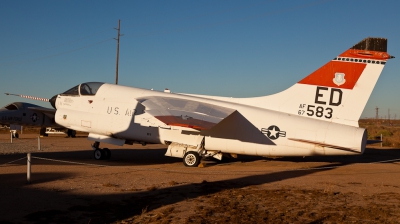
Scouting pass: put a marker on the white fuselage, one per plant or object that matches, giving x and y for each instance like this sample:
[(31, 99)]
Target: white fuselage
[(115, 112)]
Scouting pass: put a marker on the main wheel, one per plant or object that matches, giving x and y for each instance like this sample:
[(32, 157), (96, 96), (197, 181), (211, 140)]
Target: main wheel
[(98, 154), (107, 153), (191, 159)]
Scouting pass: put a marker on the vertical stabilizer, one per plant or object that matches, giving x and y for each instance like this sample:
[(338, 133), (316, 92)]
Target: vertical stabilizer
[(339, 90)]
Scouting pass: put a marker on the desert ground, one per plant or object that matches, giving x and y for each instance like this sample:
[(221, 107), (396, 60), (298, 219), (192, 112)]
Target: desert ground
[(140, 185)]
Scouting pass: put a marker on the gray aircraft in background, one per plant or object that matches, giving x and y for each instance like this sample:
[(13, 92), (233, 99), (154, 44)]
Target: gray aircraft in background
[(25, 114)]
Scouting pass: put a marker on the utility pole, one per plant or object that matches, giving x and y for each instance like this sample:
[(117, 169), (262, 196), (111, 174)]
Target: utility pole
[(389, 115), (377, 115), (116, 71)]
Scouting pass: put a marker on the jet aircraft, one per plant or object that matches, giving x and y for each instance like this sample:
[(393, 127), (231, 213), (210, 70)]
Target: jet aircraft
[(316, 116), (26, 114)]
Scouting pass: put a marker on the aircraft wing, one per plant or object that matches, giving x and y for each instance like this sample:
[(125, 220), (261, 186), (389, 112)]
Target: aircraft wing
[(185, 113), (47, 111)]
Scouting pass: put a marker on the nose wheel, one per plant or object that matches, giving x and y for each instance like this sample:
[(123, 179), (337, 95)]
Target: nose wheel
[(99, 153)]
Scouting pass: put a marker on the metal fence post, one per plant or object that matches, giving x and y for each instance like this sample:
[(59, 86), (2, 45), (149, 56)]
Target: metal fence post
[(11, 137), (39, 143), (28, 171)]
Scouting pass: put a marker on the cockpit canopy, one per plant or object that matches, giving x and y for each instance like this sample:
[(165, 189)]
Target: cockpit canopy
[(85, 89)]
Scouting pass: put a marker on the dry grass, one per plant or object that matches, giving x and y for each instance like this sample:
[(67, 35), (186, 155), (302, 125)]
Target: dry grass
[(390, 131)]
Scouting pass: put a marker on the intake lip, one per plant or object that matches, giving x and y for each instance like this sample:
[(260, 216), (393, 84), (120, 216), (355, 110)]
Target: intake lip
[(53, 101)]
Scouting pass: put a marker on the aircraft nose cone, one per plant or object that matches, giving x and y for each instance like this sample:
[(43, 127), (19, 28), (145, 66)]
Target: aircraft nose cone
[(53, 101)]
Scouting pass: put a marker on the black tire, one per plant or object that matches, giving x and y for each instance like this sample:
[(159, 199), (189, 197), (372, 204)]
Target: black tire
[(42, 132), (16, 135), (107, 153), (226, 158), (191, 159), (73, 133), (98, 154)]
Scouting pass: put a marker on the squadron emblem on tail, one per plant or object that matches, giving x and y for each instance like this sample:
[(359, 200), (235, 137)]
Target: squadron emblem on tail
[(339, 78)]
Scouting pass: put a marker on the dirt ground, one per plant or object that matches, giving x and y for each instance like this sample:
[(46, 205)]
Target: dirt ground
[(140, 185)]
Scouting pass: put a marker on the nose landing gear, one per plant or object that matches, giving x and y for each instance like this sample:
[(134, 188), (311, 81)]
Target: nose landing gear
[(99, 153)]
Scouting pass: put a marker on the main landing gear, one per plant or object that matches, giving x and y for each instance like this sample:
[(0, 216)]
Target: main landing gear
[(191, 159), (71, 133), (14, 134), (100, 153)]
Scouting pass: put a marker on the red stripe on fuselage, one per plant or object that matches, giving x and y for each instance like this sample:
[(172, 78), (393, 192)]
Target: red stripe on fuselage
[(189, 123)]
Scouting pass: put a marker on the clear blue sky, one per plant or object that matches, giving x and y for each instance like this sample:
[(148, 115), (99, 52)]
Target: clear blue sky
[(226, 48)]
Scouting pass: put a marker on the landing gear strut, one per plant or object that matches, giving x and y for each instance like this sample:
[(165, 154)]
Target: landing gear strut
[(14, 134), (100, 153)]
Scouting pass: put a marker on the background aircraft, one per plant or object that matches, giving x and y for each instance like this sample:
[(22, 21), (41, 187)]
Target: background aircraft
[(26, 114), (316, 116)]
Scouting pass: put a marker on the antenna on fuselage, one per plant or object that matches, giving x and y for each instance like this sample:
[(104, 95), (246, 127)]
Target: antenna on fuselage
[(118, 35)]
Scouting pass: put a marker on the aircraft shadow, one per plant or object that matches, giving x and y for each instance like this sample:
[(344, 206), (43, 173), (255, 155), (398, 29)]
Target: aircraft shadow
[(107, 208), (113, 207), (120, 157), (370, 155)]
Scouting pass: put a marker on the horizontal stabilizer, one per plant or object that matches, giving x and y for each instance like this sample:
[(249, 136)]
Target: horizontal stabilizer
[(373, 141)]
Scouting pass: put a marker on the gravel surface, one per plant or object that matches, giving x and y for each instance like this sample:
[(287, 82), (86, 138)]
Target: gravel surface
[(140, 185)]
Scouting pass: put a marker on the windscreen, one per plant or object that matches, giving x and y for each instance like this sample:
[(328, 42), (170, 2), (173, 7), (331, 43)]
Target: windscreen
[(11, 107), (90, 88), (72, 92), (87, 89)]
